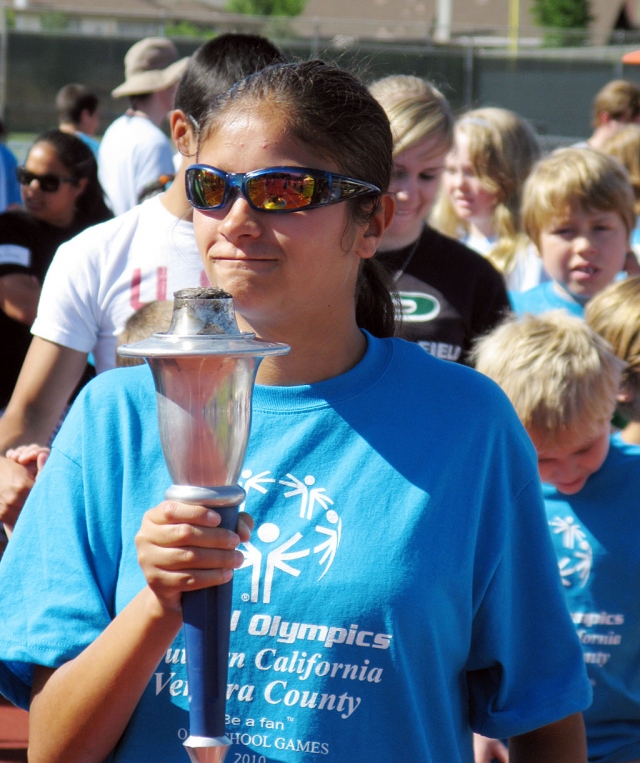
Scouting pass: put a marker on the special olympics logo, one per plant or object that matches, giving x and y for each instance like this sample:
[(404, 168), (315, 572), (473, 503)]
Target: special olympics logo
[(279, 555), (576, 558)]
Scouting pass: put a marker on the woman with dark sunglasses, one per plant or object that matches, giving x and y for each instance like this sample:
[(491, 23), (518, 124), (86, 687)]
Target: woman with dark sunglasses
[(400, 587), (61, 196)]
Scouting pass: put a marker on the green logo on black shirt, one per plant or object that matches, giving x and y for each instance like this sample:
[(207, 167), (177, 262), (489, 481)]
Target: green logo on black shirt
[(418, 307)]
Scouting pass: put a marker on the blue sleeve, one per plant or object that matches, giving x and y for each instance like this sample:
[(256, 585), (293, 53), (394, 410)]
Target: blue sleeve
[(52, 601), (58, 574), (527, 668), (13, 187), (71, 564)]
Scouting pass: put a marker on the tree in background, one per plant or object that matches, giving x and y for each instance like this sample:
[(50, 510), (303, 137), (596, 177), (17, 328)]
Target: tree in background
[(566, 21), (267, 7)]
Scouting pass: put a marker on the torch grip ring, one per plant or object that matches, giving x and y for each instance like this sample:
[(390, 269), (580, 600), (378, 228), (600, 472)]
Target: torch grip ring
[(213, 497)]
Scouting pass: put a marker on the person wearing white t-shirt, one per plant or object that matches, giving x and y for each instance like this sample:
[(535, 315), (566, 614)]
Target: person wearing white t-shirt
[(99, 279), (134, 151)]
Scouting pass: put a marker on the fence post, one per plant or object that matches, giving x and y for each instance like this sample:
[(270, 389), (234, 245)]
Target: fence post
[(443, 21), (514, 25), (3, 58), (316, 37), (468, 74), (618, 68)]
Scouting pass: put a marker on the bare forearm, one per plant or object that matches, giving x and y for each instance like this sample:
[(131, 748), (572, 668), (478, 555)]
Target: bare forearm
[(80, 711), (49, 375), (561, 742), (14, 430), (19, 294), (23, 426)]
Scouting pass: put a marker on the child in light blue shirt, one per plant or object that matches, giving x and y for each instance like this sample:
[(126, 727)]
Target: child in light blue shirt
[(563, 381), (578, 209)]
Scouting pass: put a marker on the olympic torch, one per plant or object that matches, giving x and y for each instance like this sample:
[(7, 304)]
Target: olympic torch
[(204, 370)]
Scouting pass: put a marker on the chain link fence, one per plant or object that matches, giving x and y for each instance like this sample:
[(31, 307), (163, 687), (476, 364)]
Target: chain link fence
[(552, 87)]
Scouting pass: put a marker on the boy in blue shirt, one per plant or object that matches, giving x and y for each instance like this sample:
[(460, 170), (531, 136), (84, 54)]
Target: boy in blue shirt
[(563, 380), (578, 209)]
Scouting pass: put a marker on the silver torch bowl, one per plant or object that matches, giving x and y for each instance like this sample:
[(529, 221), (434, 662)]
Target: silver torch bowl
[(204, 370)]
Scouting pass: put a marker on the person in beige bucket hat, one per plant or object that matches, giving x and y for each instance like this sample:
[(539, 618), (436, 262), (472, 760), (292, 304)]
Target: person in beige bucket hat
[(134, 151), (150, 65)]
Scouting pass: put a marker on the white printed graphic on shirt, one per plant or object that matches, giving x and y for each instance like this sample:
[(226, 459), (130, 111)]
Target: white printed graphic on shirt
[(577, 558), (294, 667), (597, 631), (275, 560), (12, 254)]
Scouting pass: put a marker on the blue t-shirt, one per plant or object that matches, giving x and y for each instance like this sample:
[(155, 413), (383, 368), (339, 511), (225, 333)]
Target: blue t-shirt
[(9, 186), (597, 537), (400, 587), (542, 299), (93, 143)]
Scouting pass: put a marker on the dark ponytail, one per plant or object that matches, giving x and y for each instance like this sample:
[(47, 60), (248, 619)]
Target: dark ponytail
[(375, 299)]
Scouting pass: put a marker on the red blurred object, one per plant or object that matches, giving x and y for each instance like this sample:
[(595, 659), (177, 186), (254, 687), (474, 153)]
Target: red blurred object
[(14, 733)]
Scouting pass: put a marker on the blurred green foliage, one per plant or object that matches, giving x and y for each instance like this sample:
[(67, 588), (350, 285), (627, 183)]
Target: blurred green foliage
[(565, 21), (266, 7)]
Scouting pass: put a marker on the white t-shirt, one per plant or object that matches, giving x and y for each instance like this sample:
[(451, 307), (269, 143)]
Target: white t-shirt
[(133, 153), (527, 271), (106, 273)]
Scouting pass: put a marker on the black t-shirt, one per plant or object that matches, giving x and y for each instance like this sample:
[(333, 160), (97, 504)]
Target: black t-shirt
[(35, 244), (450, 295)]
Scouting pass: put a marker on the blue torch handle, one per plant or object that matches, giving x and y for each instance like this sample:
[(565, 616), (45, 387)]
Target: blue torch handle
[(207, 619)]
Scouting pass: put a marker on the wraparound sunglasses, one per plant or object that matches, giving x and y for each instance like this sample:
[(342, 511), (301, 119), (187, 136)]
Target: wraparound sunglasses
[(273, 189), (48, 183)]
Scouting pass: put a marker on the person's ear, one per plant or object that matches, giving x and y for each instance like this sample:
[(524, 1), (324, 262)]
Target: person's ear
[(80, 185), (182, 133), (625, 393), (631, 264), (377, 226)]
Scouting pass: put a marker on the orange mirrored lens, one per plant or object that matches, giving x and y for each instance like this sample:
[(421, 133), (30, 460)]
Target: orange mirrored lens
[(284, 191), (211, 189)]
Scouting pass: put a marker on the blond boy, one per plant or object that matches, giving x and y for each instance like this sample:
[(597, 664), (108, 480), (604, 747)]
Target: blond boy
[(563, 380), (578, 209), (150, 318), (614, 314)]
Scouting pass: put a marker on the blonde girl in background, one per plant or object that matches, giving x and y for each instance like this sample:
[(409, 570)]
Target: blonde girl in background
[(449, 294), (492, 155)]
